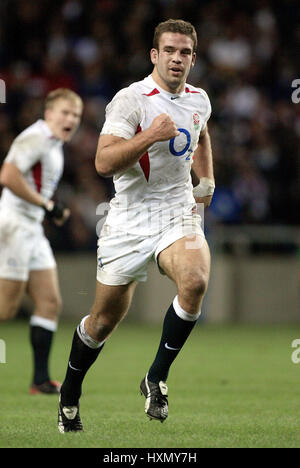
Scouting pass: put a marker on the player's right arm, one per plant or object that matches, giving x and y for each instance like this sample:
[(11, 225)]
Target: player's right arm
[(12, 178), (24, 153), (116, 154)]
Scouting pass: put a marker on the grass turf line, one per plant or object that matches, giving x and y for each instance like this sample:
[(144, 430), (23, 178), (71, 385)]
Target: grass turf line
[(231, 386)]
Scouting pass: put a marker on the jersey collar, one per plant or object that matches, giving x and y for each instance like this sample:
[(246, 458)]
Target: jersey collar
[(47, 131), (152, 83)]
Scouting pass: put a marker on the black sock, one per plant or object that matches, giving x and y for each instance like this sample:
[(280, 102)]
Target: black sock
[(41, 340), (80, 360), (174, 334)]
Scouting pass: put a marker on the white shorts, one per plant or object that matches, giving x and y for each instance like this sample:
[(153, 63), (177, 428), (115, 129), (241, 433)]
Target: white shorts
[(23, 247), (124, 257)]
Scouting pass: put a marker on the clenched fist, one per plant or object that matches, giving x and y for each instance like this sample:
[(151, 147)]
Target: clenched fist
[(164, 128)]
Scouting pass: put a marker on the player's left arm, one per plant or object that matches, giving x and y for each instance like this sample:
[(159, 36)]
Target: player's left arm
[(202, 170)]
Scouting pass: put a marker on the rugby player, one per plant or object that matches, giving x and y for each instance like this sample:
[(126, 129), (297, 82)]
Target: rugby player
[(30, 174), (155, 131)]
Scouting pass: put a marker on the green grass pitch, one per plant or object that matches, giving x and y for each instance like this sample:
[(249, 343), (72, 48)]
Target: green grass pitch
[(231, 386)]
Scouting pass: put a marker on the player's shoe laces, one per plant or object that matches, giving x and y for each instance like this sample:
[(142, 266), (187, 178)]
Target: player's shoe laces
[(51, 387), (156, 405), (69, 419)]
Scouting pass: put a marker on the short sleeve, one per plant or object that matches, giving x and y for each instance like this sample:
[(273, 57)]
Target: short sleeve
[(122, 115), (25, 152), (208, 108)]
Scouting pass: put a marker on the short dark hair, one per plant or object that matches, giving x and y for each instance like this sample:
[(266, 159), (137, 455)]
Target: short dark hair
[(175, 26)]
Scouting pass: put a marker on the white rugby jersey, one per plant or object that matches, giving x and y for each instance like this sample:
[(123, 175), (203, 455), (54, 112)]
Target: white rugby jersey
[(39, 156), (159, 185)]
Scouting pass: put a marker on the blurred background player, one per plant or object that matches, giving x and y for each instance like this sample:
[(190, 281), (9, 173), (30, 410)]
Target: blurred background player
[(153, 130), (30, 174)]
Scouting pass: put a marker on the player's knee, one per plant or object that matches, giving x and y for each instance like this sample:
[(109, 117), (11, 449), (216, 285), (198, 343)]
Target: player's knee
[(106, 325), (200, 283), (56, 303), (195, 283), (51, 307), (103, 324)]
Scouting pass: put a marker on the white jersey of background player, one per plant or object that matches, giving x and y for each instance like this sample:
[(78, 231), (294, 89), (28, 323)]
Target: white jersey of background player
[(161, 179), (39, 157)]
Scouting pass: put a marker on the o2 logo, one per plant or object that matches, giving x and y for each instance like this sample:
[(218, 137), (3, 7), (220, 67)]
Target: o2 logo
[(187, 136)]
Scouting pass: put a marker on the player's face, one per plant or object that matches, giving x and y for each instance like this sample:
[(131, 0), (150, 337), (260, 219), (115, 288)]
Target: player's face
[(63, 118), (173, 61)]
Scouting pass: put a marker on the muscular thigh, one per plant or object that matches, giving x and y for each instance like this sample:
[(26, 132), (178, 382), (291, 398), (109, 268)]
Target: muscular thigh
[(185, 259), (11, 294)]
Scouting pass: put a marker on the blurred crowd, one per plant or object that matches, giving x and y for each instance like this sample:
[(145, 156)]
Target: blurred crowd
[(248, 57)]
